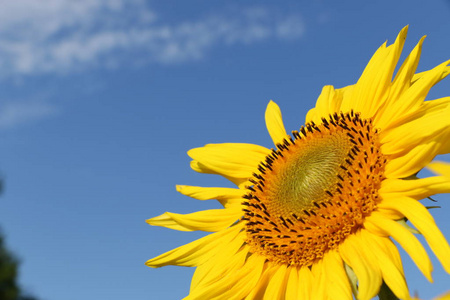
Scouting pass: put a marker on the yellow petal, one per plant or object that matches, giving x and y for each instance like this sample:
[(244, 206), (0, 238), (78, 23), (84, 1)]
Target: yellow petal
[(412, 162), (305, 280), (324, 101), (247, 279), (207, 220), (164, 220), (403, 78), (417, 76), (378, 224), (389, 262), (228, 197), (274, 123), (231, 258), (441, 168), (419, 216), (232, 160), (433, 107), (292, 288), (328, 103), (201, 168), (373, 86), (276, 289), (319, 283), (258, 292), (196, 252), (424, 129), (403, 97), (394, 108), (410, 156), (324, 104), (415, 188), (358, 256), (390, 214), (235, 285), (338, 285), (413, 96), (445, 296)]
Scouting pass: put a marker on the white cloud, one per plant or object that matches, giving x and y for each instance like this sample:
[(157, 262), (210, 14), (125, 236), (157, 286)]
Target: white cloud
[(60, 36), (17, 113)]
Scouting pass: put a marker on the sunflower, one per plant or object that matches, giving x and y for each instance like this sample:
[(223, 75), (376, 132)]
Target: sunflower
[(317, 216)]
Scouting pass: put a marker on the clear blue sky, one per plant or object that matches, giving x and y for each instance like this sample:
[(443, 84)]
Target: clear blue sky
[(100, 100)]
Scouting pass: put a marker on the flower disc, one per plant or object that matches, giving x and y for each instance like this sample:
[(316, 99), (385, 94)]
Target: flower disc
[(314, 190)]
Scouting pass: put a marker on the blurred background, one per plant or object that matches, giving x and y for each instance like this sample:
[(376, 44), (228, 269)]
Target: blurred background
[(101, 99)]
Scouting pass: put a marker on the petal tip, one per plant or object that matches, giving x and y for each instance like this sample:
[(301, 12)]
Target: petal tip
[(179, 187), (274, 122), (404, 31)]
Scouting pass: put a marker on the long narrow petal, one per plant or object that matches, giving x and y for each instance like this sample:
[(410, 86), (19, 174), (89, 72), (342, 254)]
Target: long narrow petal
[(403, 78), (233, 160), (412, 162), (373, 86), (417, 76), (413, 96), (419, 131), (432, 139), (402, 82), (361, 260), (419, 216), (206, 220), (276, 289), (417, 188), (319, 283), (235, 285), (247, 280), (201, 168), (338, 285), (292, 285), (429, 107), (274, 123), (305, 280), (378, 224), (260, 288), (442, 168), (391, 269), (196, 252), (208, 275), (226, 196), (231, 258)]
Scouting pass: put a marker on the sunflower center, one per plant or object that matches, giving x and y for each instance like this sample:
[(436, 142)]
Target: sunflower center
[(304, 174), (314, 190)]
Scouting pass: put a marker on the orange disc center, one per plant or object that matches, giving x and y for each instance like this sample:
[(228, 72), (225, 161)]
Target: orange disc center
[(314, 190)]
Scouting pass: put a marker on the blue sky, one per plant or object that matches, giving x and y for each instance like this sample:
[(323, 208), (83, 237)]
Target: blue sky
[(100, 100)]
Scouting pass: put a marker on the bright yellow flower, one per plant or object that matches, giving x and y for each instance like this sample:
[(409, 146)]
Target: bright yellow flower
[(322, 210)]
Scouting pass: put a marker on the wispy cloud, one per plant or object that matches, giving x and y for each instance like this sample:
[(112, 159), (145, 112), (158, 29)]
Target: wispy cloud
[(65, 36), (13, 114), (60, 36)]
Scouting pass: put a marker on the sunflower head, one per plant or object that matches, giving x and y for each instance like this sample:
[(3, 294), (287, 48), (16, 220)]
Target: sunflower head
[(321, 211)]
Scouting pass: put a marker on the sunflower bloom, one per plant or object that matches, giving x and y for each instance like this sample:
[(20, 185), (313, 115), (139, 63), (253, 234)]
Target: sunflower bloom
[(316, 217)]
